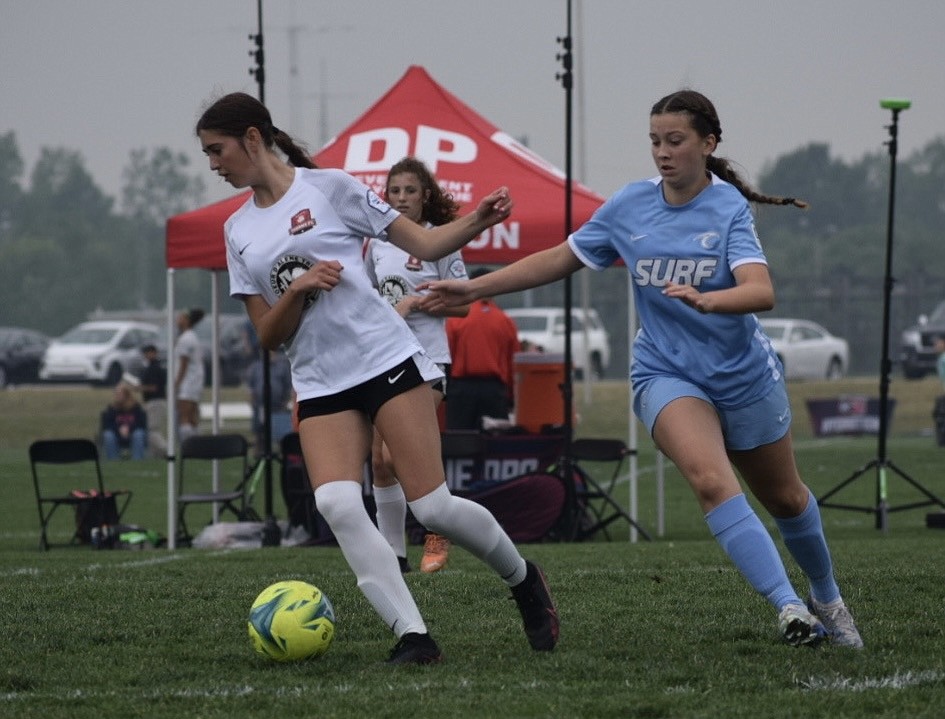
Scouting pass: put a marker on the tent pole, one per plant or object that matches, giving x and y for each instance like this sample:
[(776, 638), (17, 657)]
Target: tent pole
[(214, 381), (171, 418)]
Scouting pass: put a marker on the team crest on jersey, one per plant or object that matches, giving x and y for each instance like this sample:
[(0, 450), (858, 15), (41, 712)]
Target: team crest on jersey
[(393, 289), (413, 264), (377, 203), (707, 240), (457, 268), (288, 268), (301, 222)]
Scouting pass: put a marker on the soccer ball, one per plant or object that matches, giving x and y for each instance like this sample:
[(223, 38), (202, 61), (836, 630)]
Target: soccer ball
[(291, 620)]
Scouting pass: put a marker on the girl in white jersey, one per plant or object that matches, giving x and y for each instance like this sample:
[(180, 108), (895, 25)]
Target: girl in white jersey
[(707, 383), (188, 384), (412, 190), (294, 258)]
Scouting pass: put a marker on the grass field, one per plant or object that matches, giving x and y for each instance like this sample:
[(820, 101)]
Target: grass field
[(650, 629)]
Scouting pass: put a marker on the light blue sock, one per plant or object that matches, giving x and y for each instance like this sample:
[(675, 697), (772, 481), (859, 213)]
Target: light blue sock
[(745, 540), (804, 537)]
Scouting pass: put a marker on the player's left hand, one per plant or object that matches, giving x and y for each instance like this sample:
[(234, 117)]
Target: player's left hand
[(688, 294), (495, 207)]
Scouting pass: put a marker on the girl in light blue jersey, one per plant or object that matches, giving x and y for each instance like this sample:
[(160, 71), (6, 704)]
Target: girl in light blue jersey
[(707, 383)]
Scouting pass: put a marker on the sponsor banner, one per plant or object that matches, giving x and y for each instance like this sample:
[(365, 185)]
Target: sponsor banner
[(852, 415), (504, 457)]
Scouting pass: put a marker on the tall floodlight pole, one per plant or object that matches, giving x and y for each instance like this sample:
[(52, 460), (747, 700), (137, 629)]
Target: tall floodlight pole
[(566, 77), (881, 463), (272, 535)]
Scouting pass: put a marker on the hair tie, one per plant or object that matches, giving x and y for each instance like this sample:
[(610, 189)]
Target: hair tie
[(789, 200), (275, 130)]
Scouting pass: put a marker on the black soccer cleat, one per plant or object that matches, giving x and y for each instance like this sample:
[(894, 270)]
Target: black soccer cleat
[(538, 609), (414, 648)]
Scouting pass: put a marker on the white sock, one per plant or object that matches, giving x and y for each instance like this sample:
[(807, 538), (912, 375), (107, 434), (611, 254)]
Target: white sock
[(472, 527), (184, 431), (391, 515), (369, 556)]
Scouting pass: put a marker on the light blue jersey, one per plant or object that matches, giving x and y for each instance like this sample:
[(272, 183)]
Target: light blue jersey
[(699, 244)]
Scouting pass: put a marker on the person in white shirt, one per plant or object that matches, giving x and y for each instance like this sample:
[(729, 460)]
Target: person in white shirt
[(295, 260), (413, 191), (189, 381)]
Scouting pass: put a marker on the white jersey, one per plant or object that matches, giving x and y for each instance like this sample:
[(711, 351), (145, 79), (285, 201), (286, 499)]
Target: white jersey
[(188, 346), (396, 274), (345, 336)]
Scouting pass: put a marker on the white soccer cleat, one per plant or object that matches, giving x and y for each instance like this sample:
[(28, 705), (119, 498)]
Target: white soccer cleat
[(838, 622), (799, 627)]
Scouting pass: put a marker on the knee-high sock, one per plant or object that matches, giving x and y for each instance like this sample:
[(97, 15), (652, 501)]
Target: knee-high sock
[(804, 537), (369, 556), (472, 527), (185, 431), (745, 540), (391, 515)]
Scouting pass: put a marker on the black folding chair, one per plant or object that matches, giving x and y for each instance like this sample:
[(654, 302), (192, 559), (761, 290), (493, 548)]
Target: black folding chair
[(205, 457), (79, 469), (296, 488), (599, 496)]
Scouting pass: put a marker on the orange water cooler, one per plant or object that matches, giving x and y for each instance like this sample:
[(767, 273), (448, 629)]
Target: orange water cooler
[(538, 397)]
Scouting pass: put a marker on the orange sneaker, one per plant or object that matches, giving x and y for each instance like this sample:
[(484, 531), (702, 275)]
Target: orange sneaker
[(436, 553)]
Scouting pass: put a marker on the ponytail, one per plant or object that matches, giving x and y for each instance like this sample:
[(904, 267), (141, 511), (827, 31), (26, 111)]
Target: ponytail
[(723, 168)]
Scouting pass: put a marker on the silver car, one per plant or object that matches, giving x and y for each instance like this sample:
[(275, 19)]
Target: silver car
[(99, 352), (807, 350), (543, 328)]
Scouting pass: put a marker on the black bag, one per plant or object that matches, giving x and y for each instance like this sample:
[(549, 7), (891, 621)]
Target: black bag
[(96, 518)]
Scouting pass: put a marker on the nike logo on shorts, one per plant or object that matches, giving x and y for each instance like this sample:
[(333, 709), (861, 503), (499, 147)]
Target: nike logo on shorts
[(634, 238), (243, 249), (392, 380)]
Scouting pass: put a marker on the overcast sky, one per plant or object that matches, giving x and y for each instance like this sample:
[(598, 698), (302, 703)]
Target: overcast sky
[(107, 76)]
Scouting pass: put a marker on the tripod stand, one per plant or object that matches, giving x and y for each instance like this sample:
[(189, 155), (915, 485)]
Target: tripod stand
[(881, 463)]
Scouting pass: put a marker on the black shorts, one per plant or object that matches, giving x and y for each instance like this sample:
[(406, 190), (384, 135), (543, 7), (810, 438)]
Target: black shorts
[(367, 397)]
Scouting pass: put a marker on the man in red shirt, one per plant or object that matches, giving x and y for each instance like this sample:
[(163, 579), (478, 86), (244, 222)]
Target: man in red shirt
[(482, 346)]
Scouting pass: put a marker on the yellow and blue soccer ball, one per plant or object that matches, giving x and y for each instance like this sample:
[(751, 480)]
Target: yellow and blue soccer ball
[(291, 620)]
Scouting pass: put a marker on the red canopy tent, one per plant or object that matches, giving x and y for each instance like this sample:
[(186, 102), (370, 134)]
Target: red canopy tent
[(469, 156)]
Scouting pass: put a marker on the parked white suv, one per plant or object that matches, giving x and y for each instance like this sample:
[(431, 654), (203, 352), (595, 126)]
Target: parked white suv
[(99, 352), (543, 327)]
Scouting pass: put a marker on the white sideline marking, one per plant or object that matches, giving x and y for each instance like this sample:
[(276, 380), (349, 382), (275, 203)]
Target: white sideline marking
[(235, 691), (163, 559), (896, 681)]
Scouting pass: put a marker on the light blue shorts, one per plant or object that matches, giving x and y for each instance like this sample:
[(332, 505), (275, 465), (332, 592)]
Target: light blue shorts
[(754, 425)]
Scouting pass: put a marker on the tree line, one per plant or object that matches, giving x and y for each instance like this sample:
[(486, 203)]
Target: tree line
[(68, 249)]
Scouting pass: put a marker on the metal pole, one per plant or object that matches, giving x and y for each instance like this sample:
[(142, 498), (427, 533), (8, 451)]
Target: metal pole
[(272, 535)]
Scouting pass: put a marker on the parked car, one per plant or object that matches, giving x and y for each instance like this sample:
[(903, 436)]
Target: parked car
[(235, 352), (807, 350), (21, 351), (916, 349), (99, 352), (543, 327)]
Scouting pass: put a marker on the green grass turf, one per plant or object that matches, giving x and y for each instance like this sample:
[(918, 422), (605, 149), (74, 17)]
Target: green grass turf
[(649, 629)]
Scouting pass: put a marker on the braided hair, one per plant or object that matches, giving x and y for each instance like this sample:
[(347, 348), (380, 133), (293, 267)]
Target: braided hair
[(232, 115), (705, 121), (438, 206)]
